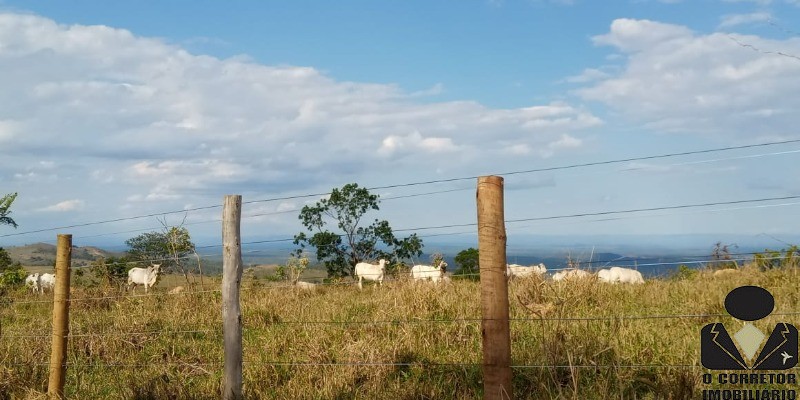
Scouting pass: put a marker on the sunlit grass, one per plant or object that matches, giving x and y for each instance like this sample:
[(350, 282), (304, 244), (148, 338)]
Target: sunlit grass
[(422, 341)]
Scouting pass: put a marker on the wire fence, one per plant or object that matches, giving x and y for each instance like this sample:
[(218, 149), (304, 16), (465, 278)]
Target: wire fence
[(80, 332)]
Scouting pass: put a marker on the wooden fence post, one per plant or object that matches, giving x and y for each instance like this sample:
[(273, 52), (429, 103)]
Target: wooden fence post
[(494, 289), (231, 281), (58, 355)]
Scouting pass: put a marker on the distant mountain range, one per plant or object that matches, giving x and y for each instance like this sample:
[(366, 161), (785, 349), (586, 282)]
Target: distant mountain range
[(653, 255), (44, 254)]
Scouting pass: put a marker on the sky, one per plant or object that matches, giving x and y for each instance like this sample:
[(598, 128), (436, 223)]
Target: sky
[(113, 116)]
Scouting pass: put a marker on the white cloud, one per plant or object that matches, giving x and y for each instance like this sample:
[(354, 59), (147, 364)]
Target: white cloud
[(588, 75), (518, 149), (8, 129), (147, 126), (416, 142), (565, 142), (676, 80), (286, 206), (630, 35), (67, 205), (759, 2), (732, 20)]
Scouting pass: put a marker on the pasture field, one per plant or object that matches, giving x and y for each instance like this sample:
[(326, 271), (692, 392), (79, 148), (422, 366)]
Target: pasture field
[(570, 340)]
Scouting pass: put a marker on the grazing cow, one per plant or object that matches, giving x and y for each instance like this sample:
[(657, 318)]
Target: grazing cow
[(570, 274), (425, 272), (725, 272), (621, 275), (32, 281), (144, 276), (370, 272), (176, 290), (47, 282), (305, 285), (519, 271)]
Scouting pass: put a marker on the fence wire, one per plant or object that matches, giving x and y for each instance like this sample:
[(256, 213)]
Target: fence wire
[(346, 364), (416, 321)]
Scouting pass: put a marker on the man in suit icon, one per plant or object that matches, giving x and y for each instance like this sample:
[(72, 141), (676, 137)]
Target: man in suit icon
[(748, 303)]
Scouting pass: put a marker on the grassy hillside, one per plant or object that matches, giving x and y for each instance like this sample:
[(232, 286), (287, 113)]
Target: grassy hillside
[(44, 254), (572, 340)]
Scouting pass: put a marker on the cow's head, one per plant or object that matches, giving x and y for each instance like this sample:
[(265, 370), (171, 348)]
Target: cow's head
[(443, 266)]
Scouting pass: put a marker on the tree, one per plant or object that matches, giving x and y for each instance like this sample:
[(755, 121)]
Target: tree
[(168, 248), (468, 264), (13, 273), (721, 256), (6, 263), (110, 272), (5, 205), (340, 252)]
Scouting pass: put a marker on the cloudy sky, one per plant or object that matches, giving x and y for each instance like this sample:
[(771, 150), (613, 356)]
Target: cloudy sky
[(114, 111)]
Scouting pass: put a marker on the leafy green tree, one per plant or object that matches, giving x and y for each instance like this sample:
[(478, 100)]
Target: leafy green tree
[(110, 271), (468, 264), (351, 243), (791, 257), (5, 209), (168, 248), (13, 273), (5, 260), (684, 272), (785, 258)]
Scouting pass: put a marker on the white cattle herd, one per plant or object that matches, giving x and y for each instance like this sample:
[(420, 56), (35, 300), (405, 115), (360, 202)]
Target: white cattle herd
[(147, 277), (435, 274), (38, 283)]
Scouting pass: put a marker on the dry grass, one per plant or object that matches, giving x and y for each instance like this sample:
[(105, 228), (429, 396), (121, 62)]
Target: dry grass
[(170, 346)]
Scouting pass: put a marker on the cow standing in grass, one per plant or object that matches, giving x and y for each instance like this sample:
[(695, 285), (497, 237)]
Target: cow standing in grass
[(144, 276), (33, 281), (370, 272), (620, 275), (520, 271), (425, 272), (47, 282)]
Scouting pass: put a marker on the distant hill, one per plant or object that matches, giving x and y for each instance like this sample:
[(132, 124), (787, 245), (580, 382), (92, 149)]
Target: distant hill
[(44, 254)]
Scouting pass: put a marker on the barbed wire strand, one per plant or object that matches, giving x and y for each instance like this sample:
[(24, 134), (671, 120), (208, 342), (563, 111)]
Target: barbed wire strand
[(556, 168), (345, 364), (349, 283)]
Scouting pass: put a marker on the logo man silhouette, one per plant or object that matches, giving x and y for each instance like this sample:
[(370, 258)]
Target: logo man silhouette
[(748, 303)]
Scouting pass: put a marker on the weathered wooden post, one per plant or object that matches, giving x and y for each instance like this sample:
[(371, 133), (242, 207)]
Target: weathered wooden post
[(494, 289), (58, 355), (231, 281)]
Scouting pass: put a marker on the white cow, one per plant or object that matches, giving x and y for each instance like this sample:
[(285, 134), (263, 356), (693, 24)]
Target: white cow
[(570, 274), (305, 285), (370, 272), (620, 275), (32, 281), (176, 290), (725, 272), (425, 272), (47, 282), (520, 271), (144, 276)]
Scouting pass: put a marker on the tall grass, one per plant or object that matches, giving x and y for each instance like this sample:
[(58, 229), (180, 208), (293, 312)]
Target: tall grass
[(412, 341)]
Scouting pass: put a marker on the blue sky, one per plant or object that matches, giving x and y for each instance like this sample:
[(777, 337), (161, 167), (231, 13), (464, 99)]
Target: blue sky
[(116, 110)]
